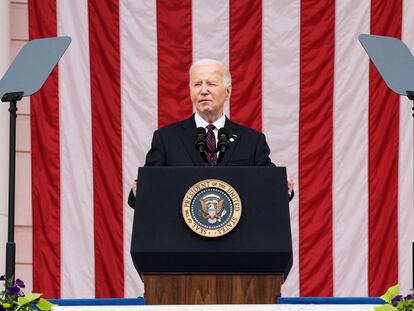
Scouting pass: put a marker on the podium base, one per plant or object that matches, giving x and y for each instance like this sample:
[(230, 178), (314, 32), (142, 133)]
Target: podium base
[(211, 288)]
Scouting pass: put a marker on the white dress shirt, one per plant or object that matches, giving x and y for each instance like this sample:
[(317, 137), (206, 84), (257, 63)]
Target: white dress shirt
[(200, 122)]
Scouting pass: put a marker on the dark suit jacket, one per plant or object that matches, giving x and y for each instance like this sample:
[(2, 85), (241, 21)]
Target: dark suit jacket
[(173, 145)]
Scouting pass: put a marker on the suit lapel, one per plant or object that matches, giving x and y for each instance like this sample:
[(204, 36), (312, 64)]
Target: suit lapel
[(188, 129), (234, 137)]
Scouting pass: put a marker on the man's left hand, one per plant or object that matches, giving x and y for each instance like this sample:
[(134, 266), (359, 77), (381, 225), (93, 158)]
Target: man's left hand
[(290, 187)]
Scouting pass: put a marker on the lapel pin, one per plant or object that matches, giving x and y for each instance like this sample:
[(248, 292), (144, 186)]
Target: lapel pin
[(231, 139)]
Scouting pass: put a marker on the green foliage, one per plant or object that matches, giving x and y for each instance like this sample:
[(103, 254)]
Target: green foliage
[(386, 307), (392, 292), (405, 305), (396, 302), (44, 305), (12, 298), (27, 299)]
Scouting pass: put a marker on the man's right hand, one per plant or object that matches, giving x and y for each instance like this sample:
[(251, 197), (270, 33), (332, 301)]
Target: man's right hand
[(134, 187)]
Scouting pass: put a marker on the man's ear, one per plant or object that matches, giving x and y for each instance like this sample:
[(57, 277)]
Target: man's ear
[(228, 91)]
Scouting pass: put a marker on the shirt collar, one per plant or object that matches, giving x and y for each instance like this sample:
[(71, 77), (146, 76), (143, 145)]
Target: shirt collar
[(200, 122)]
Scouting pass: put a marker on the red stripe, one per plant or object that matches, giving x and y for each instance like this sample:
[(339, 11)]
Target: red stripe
[(107, 145), (44, 120), (174, 36), (317, 39), (386, 19), (246, 62)]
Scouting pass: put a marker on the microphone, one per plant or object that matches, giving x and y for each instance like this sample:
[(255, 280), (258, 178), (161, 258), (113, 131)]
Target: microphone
[(200, 139), (223, 143)]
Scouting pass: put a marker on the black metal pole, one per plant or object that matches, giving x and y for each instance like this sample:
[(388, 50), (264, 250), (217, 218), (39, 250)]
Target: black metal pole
[(11, 246)]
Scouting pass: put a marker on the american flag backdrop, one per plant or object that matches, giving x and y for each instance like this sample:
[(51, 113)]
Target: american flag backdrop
[(299, 75)]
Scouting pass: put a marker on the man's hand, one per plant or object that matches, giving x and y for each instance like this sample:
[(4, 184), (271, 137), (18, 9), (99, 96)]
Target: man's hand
[(290, 186), (134, 187)]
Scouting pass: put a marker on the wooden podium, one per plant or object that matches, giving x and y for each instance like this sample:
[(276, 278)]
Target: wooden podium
[(245, 266), (211, 288)]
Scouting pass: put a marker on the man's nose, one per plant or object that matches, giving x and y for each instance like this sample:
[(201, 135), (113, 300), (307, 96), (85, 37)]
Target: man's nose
[(204, 89)]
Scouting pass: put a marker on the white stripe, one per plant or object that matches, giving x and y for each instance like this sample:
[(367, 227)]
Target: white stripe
[(281, 29), (406, 170), (139, 107), (350, 150), (77, 229), (211, 31)]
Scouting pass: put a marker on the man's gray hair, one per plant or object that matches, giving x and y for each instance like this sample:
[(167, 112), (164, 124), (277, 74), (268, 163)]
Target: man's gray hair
[(227, 75)]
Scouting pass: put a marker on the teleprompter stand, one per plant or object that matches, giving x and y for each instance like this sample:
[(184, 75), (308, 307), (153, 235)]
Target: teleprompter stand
[(25, 76), (245, 266), (395, 63)]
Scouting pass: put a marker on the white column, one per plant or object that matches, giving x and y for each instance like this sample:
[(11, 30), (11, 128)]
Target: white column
[(4, 131)]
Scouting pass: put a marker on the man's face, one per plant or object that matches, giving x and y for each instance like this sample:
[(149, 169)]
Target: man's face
[(208, 91)]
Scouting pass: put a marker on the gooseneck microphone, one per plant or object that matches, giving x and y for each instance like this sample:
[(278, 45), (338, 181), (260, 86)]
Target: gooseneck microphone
[(200, 139), (223, 143)]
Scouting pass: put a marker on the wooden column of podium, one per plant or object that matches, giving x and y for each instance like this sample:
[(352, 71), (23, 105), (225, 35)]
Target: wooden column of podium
[(211, 288)]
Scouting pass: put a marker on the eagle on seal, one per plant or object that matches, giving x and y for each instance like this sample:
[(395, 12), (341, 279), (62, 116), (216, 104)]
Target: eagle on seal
[(211, 206)]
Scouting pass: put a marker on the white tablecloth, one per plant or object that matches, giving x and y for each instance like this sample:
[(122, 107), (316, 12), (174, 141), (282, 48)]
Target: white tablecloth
[(219, 307)]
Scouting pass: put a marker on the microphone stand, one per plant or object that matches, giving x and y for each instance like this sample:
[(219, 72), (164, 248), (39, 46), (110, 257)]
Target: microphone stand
[(223, 145)]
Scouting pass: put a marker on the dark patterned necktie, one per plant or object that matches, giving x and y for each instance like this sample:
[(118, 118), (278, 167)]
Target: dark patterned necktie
[(211, 144)]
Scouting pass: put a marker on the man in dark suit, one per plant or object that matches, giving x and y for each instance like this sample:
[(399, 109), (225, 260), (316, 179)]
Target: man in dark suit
[(173, 145)]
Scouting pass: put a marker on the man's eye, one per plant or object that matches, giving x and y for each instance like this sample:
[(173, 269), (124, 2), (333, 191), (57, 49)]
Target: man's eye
[(212, 84)]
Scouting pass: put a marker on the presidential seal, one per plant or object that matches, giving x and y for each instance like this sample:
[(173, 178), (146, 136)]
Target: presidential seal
[(211, 208)]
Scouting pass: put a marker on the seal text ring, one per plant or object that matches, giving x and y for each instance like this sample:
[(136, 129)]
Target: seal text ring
[(211, 208)]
